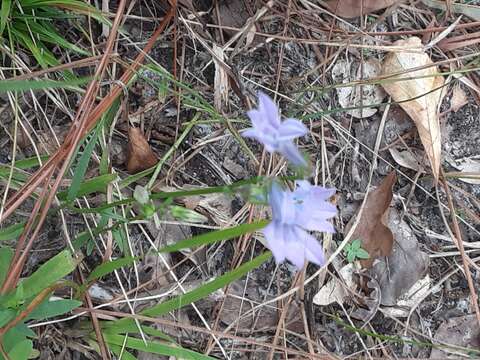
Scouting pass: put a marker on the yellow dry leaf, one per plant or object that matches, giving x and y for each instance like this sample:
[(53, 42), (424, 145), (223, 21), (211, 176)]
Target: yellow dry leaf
[(423, 88)]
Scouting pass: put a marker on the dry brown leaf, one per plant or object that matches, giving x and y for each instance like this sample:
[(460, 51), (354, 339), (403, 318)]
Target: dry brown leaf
[(139, 154), (459, 98), (405, 266), (462, 331), (334, 290), (372, 229), (406, 159), (423, 108), (354, 8)]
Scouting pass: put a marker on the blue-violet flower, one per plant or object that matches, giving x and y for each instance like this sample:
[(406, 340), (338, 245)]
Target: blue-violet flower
[(274, 134), (294, 213)]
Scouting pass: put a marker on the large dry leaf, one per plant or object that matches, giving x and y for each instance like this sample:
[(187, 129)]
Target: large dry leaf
[(334, 290), (460, 331), (423, 108), (139, 154), (397, 273), (354, 8), (372, 229)]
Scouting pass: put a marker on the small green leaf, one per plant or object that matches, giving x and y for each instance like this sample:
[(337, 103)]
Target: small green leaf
[(6, 316), (21, 350), (362, 254), (49, 309), (53, 270), (11, 232), (6, 255), (110, 266), (356, 244), (183, 214)]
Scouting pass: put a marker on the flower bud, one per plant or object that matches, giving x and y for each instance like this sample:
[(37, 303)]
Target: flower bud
[(181, 213)]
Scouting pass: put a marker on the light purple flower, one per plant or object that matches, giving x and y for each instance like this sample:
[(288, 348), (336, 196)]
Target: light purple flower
[(294, 213), (274, 134)]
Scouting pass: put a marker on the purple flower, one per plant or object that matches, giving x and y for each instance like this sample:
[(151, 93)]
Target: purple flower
[(293, 215), (274, 134)]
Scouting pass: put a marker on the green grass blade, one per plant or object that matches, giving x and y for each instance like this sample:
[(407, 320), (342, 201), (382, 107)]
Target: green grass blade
[(155, 347), (25, 85), (21, 350), (109, 267), (128, 325), (215, 236), (4, 14), (81, 169), (90, 186)]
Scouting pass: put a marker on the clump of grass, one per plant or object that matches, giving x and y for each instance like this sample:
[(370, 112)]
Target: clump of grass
[(28, 24)]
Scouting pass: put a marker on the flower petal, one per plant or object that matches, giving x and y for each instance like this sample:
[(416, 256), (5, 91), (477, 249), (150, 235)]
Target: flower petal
[(317, 225), (314, 215), (268, 109), (250, 133), (294, 248), (313, 249), (291, 152), (291, 129), (274, 235)]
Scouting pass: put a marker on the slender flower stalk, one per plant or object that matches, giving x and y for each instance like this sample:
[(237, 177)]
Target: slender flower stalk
[(276, 135), (294, 214)]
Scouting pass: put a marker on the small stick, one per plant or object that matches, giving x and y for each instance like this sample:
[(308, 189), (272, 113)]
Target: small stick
[(459, 242)]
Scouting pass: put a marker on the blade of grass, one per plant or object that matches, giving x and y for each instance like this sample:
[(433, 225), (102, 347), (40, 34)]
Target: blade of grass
[(155, 347), (128, 325), (24, 85), (214, 236), (110, 266), (4, 14), (90, 186), (81, 169)]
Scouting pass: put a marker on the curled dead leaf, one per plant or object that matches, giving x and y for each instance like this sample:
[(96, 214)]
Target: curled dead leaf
[(406, 159), (360, 97), (372, 229), (139, 154), (354, 8), (419, 95)]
